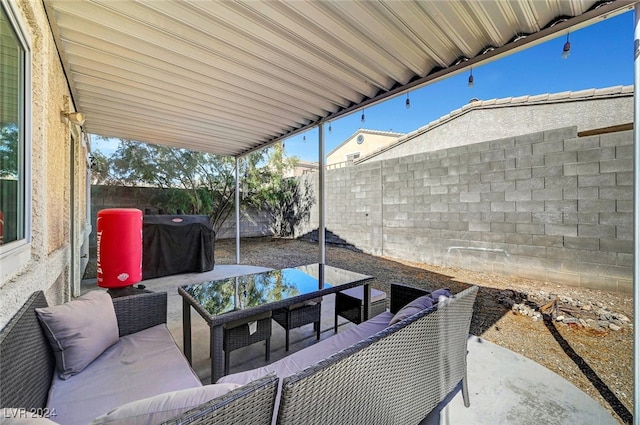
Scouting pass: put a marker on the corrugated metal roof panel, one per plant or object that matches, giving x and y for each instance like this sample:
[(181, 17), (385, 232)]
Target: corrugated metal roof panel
[(230, 77)]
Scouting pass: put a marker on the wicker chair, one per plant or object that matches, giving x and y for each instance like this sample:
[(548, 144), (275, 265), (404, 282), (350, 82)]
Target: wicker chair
[(297, 315), (237, 334)]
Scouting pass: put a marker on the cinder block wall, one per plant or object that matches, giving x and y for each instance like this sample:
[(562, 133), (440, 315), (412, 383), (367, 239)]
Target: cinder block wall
[(252, 223), (548, 205)]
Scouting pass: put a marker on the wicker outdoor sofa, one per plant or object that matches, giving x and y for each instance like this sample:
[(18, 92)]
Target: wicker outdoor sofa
[(373, 373), (145, 363), (377, 373)]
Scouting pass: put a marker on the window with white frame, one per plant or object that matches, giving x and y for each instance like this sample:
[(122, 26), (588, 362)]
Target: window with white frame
[(353, 156), (14, 139)]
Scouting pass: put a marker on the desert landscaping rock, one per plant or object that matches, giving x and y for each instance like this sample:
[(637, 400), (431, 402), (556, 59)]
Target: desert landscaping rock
[(595, 358)]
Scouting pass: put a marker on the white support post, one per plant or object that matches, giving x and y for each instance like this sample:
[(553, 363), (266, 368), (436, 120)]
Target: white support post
[(636, 216), (321, 197), (237, 210)]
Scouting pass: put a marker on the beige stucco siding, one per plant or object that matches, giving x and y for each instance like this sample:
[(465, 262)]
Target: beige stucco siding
[(44, 264), (371, 143)]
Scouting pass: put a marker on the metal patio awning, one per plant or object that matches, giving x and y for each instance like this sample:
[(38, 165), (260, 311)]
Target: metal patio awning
[(231, 77)]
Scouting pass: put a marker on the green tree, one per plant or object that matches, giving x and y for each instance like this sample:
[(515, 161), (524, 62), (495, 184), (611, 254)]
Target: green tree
[(9, 151), (203, 183)]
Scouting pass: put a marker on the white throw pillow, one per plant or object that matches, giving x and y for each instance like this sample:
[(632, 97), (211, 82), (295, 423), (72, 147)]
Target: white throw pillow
[(163, 407), (80, 330)]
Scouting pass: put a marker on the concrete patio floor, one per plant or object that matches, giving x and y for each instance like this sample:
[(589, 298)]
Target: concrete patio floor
[(504, 387)]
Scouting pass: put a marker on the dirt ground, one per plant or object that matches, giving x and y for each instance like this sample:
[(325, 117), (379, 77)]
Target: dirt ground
[(599, 362)]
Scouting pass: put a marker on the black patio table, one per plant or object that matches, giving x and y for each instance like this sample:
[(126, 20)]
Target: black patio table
[(226, 300)]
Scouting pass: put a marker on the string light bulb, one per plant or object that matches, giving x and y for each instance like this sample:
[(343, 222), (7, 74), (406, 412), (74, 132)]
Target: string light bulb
[(362, 118), (407, 103), (566, 49), (470, 83), (304, 139), (329, 128)]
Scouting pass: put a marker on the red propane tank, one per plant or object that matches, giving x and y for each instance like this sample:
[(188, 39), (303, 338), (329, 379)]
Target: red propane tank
[(119, 241)]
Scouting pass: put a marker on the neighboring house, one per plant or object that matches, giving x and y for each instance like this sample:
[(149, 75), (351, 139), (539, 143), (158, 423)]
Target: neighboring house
[(44, 169), (301, 168), (593, 111), (360, 144)]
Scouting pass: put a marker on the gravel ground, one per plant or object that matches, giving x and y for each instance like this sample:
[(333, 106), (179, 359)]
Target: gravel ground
[(599, 362)]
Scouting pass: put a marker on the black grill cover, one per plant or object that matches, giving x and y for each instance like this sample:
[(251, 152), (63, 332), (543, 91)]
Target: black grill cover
[(173, 244)]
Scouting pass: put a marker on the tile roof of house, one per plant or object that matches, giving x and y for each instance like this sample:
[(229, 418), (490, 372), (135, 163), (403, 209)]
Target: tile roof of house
[(475, 104)]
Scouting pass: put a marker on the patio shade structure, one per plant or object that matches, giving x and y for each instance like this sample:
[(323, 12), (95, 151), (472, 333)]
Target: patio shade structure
[(233, 77)]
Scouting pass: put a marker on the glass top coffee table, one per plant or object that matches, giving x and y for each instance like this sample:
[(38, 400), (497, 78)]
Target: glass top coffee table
[(226, 300)]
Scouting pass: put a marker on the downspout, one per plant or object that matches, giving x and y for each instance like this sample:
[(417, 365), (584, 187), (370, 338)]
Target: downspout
[(321, 197), (72, 214), (237, 210), (636, 215)]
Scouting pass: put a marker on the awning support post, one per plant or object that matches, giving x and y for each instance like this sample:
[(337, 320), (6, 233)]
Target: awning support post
[(321, 195), (237, 203), (636, 215)]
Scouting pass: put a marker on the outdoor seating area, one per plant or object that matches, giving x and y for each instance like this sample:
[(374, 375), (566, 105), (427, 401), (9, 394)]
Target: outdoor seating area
[(488, 385), (282, 119), (86, 350)]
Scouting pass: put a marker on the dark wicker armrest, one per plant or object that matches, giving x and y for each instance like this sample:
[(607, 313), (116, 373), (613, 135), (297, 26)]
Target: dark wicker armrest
[(138, 312), (251, 404), (26, 360), (402, 295)]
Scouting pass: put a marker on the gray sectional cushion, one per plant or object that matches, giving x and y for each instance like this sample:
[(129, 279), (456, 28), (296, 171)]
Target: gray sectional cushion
[(438, 293), (140, 365), (412, 308), (79, 330), (163, 407)]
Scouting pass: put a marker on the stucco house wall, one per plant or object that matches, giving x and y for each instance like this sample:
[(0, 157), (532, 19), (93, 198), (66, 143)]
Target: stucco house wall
[(481, 121), (370, 142), (48, 262)]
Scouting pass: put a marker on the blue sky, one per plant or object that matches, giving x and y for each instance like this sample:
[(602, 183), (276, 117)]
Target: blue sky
[(601, 56)]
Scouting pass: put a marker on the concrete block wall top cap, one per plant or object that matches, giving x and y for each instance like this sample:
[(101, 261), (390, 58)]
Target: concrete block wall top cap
[(488, 102), (613, 90), (582, 93), (627, 89), (503, 101), (539, 97), (561, 95), (520, 99)]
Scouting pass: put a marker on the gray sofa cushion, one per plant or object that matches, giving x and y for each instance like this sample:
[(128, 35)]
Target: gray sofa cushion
[(80, 330), (140, 365), (163, 407), (412, 308)]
